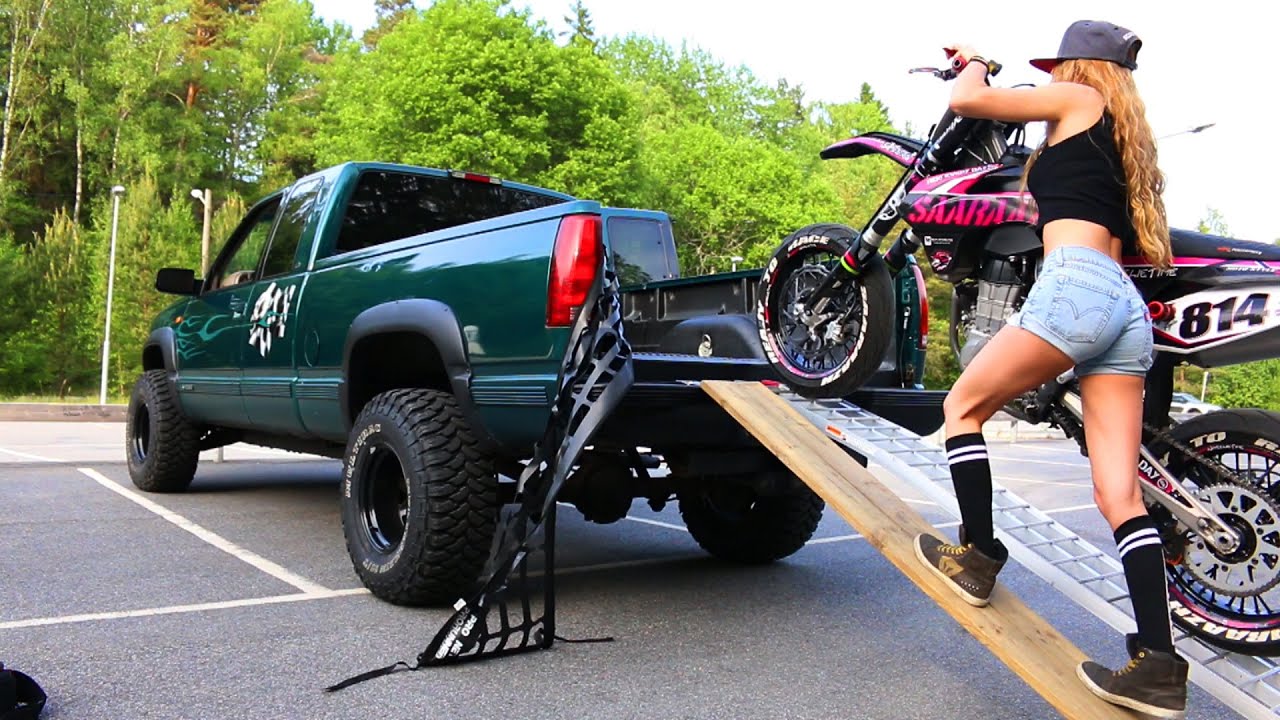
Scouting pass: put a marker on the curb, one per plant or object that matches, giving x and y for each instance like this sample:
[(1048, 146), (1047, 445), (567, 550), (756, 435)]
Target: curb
[(61, 412)]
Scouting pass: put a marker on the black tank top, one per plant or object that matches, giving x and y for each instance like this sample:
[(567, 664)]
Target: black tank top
[(1082, 178)]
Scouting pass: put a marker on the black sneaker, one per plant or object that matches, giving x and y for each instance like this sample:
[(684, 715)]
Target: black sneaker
[(967, 570), (1153, 682)]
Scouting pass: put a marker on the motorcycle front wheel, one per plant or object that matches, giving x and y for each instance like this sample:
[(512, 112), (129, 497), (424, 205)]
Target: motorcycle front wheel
[(834, 353), (1229, 600)]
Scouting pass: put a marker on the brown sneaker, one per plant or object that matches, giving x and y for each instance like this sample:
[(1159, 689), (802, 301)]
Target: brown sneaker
[(966, 569), (1153, 682)]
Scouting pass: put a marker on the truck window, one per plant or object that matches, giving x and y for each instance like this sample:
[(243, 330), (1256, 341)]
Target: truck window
[(248, 242), (640, 250), (388, 206), (280, 258)]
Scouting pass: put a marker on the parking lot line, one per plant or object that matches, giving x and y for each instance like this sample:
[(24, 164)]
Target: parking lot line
[(28, 456), (1084, 466), (210, 537), (179, 609), (1073, 508), (1061, 483)]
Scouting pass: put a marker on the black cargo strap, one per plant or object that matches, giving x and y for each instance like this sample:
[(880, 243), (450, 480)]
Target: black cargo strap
[(21, 698)]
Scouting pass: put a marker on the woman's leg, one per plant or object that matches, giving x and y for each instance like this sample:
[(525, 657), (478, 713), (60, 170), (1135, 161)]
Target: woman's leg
[(1013, 362), (1113, 431)]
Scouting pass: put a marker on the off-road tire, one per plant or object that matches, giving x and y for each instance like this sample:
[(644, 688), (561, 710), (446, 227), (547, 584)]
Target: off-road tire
[(874, 289), (771, 528), (451, 491), (162, 445)]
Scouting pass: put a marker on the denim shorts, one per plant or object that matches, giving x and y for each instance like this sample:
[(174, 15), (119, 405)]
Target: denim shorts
[(1083, 304)]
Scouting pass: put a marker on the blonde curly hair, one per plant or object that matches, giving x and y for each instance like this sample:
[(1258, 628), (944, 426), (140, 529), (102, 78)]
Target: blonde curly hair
[(1137, 146)]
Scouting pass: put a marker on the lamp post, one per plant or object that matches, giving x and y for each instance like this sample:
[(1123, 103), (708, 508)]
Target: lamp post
[(116, 192), (735, 260), (1189, 131), (206, 199)]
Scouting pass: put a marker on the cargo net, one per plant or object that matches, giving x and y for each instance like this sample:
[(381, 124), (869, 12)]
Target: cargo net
[(506, 615)]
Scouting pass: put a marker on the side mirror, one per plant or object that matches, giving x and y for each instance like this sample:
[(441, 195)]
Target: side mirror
[(177, 281)]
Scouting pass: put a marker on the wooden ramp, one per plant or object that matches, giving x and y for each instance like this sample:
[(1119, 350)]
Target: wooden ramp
[(1020, 638)]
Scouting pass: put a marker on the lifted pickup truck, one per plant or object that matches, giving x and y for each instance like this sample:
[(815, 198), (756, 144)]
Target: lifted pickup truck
[(413, 321)]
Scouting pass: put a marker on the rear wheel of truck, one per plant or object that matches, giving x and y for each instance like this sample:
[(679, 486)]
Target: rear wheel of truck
[(732, 522), (161, 444), (419, 498)]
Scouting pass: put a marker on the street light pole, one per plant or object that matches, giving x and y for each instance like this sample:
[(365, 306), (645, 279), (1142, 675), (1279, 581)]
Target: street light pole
[(1189, 131), (116, 192), (206, 199)]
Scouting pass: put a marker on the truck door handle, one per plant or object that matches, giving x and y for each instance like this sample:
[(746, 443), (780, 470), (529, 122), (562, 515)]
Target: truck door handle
[(237, 307)]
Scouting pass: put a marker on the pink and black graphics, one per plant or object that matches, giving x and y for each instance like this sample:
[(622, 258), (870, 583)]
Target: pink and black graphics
[(902, 150), (955, 213), (1218, 303)]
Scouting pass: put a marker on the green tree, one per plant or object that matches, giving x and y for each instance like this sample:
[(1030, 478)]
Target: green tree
[(388, 13), (581, 27), (729, 195), (476, 85), (1213, 223)]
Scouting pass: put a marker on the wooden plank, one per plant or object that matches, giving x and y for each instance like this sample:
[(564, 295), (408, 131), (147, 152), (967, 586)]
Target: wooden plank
[(1015, 634)]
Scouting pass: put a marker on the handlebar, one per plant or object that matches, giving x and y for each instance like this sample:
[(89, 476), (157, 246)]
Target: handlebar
[(950, 73)]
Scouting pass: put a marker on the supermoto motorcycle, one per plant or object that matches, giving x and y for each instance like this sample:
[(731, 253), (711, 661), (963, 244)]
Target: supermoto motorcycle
[(1212, 484)]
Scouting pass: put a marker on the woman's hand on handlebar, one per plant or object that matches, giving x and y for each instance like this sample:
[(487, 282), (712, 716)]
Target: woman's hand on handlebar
[(959, 51)]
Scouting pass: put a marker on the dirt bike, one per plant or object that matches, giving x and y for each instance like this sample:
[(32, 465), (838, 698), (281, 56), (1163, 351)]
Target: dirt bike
[(1212, 484)]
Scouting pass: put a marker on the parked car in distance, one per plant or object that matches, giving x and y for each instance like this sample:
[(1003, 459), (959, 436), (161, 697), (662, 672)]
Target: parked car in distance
[(1187, 404)]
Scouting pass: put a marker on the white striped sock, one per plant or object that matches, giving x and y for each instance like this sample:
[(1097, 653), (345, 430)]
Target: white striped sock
[(966, 454), (1141, 538)]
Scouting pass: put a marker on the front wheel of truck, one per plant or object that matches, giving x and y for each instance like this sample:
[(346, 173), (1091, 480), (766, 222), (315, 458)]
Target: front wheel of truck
[(162, 446), (733, 522), (419, 498)]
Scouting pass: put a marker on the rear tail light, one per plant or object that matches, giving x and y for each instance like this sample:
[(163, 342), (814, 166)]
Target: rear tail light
[(575, 262), (923, 294)]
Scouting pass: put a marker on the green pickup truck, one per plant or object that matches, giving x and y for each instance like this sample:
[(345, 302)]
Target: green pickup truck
[(413, 321)]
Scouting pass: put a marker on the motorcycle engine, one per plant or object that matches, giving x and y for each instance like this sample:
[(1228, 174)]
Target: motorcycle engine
[(1000, 292)]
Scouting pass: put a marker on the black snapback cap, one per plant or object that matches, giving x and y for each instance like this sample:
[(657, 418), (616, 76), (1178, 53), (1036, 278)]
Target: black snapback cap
[(1094, 40)]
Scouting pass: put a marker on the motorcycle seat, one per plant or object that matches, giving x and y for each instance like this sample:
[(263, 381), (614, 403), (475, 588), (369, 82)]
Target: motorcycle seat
[(1187, 243)]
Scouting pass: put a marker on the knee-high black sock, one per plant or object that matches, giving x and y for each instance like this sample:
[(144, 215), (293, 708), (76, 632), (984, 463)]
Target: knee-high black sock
[(1143, 559), (971, 476)]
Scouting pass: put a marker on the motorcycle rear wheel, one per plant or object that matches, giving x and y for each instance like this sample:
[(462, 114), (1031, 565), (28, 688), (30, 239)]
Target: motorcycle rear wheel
[(1231, 601), (841, 358)]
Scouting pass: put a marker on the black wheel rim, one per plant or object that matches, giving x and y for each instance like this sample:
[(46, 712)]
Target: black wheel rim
[(1261, 468), (140, 432), (384, 502), (808, 355)]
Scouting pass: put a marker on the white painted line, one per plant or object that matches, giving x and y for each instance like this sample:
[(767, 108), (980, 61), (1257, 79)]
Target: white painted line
[(1073, 508), (658, 523), (913, 501), (1082, 466), (1058, 483), (625, 564), (834, 539), (210, 537), (28, 456), (178, 609)]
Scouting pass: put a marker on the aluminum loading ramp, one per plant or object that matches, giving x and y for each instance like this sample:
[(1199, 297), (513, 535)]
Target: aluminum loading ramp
[(799, 431)]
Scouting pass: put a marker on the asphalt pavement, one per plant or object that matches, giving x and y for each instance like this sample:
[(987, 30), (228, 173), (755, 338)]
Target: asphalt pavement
[(237, 600)]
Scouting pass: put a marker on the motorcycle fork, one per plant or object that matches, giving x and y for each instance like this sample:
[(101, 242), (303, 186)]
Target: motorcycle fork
[(1160, 487)]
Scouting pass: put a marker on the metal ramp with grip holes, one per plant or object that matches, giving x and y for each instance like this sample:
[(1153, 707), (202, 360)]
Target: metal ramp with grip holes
[(1091, 578)]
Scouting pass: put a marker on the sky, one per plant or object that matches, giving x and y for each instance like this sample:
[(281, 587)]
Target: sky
[(1201, 62)]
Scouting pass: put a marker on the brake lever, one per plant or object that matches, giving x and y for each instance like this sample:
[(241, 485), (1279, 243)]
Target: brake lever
[(940, 73)]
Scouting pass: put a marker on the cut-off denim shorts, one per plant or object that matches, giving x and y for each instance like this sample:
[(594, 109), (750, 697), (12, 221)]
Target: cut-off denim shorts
[(1084, 305)]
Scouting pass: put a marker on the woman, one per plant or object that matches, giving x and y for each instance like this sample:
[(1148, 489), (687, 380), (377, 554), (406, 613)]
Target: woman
[(1097, 187)]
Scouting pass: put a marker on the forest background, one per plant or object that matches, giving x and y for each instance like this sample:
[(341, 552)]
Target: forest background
[(244, 96)]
